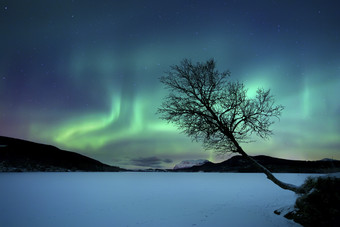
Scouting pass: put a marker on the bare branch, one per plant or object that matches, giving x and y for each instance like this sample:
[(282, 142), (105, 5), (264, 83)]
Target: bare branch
[(208, 107)]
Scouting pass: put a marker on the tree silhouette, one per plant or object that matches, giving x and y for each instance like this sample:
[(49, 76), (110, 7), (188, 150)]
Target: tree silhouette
[(207, 106)]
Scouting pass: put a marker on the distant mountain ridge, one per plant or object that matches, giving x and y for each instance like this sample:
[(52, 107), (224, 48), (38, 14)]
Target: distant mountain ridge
[(22, 155), (190, 163), (276, 165)]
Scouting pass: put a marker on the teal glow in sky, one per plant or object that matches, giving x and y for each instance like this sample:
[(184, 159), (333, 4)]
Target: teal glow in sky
[(83, 75)]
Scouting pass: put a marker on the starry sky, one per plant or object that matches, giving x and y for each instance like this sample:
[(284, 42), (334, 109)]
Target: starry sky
[(83, 75)]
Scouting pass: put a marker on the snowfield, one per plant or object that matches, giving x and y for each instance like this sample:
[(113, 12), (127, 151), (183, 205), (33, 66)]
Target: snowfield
[(143, 199)]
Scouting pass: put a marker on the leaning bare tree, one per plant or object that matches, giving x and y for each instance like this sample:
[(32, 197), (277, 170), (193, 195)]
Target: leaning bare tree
[(207, 106)]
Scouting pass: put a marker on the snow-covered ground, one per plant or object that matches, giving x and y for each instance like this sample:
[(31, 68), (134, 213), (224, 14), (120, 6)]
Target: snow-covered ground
[(143, 199)]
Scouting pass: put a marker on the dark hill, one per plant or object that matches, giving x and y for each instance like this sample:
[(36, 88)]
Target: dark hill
[(21, 155), (277, 165)]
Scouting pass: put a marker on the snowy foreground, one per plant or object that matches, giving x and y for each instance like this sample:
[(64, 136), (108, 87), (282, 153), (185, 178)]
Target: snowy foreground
[(143, 199)]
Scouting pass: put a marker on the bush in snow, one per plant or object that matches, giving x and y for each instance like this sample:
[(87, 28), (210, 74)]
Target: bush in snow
[(319, 205)]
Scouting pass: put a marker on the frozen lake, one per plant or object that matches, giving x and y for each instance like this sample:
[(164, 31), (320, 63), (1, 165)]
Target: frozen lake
[(143, 199)]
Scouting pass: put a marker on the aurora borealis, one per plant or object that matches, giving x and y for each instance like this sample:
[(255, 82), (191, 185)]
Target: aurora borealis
[(84, 75)]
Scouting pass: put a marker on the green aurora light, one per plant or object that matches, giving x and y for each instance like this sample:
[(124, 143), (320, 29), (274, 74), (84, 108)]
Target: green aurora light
[(83, 76)]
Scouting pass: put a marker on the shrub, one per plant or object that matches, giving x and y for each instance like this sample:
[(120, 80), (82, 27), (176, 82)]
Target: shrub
[(319, 205)]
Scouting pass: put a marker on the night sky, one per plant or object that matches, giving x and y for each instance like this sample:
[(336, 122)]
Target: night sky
[(83, 75)]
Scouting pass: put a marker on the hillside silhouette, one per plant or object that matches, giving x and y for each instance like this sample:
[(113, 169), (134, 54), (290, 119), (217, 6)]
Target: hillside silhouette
[(278, 165), (20, 155)]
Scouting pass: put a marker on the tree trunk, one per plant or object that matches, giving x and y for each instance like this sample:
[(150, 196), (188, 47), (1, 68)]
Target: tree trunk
[(269, 175)]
